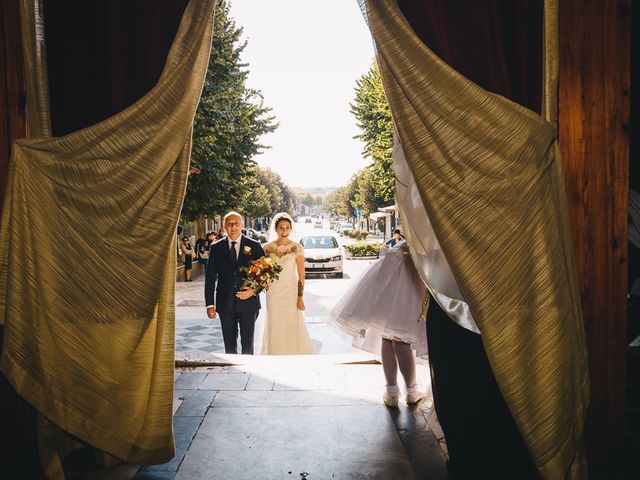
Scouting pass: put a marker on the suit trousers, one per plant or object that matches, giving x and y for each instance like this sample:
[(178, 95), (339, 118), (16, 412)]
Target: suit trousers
[(230, 321)]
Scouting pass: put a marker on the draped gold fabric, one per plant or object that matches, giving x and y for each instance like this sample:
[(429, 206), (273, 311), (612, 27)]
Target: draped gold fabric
[(490, 176), (87, 262), (33, 45)]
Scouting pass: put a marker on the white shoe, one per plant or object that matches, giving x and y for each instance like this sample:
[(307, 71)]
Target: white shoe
[(391, 396), (414, 395)]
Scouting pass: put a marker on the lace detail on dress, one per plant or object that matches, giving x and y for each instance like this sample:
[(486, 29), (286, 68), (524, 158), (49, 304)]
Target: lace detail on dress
[(282, 250)]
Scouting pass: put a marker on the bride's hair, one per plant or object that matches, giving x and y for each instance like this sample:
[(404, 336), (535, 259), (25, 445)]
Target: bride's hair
[(275, 221), (282, 218)]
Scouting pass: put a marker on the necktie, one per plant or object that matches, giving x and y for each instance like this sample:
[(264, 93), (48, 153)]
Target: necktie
[(234, 255)]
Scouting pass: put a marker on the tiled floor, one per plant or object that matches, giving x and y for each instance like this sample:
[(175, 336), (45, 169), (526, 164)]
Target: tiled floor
[(207, 338), (199, 338)]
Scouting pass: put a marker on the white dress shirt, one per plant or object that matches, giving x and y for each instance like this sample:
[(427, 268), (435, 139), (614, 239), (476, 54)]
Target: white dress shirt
[(237, 240)]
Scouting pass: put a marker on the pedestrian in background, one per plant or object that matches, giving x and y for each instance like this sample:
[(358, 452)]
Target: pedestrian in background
[(209, 240), (203, 257), (395, 238), (188, 254), (202, 254)]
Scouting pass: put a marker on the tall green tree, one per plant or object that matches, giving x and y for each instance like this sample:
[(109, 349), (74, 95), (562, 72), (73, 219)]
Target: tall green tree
[(338, 202), (256, 201), (364, 192), (359, 194), (311, 200), (373, 117), (272, 182), (267, 194), (229, 122)]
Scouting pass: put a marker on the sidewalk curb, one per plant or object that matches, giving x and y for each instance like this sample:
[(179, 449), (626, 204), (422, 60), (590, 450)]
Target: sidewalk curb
[(230, 360)]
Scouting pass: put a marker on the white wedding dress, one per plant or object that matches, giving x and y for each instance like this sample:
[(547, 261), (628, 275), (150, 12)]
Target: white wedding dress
[(285, 332)]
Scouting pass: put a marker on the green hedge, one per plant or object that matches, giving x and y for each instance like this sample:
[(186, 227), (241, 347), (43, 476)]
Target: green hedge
[(362, 249), (357, 234)]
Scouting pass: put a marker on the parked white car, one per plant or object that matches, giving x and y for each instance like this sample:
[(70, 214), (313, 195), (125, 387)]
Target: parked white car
[(255, 235), (345, 227), (322, 254)]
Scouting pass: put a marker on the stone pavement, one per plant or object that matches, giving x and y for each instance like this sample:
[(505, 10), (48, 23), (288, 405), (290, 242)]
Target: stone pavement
[(312, 417), (297, 417)]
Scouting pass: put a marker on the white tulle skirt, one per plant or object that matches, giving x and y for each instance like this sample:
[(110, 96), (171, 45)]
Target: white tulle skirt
[(386, 302)]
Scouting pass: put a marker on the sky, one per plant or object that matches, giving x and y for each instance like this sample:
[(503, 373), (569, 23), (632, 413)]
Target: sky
[(305, 57)]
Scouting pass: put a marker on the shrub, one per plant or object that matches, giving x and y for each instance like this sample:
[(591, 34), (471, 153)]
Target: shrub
[(362, 249), (357, 234)]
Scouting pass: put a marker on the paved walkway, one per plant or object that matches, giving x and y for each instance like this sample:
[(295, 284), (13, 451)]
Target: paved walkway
[(297, 417), (199, 338), (312, 417)]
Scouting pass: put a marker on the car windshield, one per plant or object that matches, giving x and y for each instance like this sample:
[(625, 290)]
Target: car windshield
[(347, 225), (319, 242)]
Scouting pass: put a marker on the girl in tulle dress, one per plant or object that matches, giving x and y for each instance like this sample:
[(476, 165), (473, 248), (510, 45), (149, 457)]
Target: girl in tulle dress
[(384, 311)]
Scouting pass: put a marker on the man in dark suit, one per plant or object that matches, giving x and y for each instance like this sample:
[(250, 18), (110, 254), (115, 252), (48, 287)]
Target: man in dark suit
[(223, 289)]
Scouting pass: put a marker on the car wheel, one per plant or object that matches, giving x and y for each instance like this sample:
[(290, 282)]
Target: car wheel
[(339, 275)]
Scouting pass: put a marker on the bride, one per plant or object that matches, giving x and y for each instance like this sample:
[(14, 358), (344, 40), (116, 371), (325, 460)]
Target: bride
[(285, 332)]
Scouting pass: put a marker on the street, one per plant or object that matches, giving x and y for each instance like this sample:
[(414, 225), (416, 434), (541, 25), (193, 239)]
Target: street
[(199, 338)]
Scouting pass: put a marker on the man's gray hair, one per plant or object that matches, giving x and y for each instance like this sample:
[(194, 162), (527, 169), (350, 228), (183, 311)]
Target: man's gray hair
[(232, 214)]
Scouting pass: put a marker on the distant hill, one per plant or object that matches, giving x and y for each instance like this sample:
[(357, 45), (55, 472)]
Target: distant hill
[(315, 191)]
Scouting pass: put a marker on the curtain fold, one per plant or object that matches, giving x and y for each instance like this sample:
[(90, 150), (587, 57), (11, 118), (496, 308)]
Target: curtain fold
[(33, 43), (426, 252), (489, 174), (88, 309)]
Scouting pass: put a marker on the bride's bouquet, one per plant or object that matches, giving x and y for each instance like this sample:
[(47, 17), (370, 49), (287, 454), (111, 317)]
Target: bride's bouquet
[(260, 273)]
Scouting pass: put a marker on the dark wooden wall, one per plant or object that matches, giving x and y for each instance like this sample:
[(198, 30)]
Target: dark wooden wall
[(17, 418), (594, 140)]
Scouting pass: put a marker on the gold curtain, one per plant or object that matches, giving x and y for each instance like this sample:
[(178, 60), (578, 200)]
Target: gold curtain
[(490, 176), (35, 67), (87, 262)]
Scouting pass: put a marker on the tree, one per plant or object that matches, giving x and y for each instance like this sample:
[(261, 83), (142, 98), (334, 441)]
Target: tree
[(273, 184), (229, 122), (257, 198), (364, 192), (289, 199), (311, 201), (359, 194), (373, 117), (338, 202), (282, 198)]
